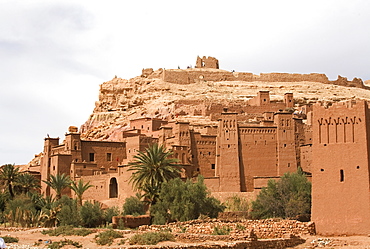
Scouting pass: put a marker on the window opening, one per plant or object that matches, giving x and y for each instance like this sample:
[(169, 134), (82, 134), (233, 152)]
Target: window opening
[(91, 157), (109, 157)]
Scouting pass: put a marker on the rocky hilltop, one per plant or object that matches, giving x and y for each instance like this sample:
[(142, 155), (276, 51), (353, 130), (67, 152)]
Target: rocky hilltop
[(151, 95)]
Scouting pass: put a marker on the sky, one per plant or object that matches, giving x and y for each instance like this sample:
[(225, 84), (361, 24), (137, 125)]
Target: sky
[(55, 54)]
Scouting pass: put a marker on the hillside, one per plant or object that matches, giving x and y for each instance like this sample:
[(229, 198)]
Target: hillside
[(149, 96)]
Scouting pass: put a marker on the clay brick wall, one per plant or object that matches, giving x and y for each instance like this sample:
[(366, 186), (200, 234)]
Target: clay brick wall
[(306, 157), (227, 154), (100, 189), (105, 154), (204, 154), (258, 154), (286, 145), (340, 168), (189, 76)]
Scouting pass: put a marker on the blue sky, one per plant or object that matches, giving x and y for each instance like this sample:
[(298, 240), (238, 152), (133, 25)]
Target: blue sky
[(54, 54)]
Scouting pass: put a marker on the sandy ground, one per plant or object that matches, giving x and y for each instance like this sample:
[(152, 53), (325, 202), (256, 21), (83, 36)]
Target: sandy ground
[(34, 239)]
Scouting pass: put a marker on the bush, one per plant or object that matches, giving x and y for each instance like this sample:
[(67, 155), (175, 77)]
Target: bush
[(60, 244), (9, 239), (133, 206), (67, 230), (109, 213), (91, 214), (286, 198), (182, 201), (151, 238), (107, 237), (69, 213)]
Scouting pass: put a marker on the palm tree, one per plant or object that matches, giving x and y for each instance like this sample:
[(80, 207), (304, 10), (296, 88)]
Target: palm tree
[(58, 183), (80, 189), (151, 168), (9, 174), (26, 183)]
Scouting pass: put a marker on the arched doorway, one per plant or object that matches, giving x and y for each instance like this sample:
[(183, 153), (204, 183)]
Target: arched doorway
[(113, 188)]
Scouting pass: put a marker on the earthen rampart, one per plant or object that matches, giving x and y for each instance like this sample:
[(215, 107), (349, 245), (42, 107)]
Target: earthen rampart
[(190, 75)]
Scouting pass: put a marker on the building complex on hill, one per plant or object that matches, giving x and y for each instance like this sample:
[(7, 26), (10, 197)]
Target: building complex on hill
[(244, 146)]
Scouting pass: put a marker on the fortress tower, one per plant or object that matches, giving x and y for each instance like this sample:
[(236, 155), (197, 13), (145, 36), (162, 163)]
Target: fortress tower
[(340, 169), (285, 138), (227, 153)]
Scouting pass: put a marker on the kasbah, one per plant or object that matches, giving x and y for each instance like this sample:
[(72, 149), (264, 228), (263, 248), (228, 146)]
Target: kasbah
[(237, 145)]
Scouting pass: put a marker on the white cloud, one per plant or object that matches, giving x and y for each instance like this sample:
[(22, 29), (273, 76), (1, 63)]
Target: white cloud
[(54, 54)]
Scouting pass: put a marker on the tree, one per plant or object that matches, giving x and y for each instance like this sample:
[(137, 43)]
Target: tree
[(26, 183), (9, 174), (79, 189), (151, 168), (182, 201), (58, 183), (287, 198)]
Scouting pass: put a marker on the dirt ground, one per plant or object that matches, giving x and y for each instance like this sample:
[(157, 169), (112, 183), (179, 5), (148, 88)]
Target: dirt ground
[(34, 239)]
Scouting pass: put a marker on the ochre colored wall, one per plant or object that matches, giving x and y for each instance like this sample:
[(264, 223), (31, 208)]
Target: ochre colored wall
[(258, 155), (340, 169)]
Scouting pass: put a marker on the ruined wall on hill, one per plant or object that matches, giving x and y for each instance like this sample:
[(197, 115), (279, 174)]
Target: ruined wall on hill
[(189, 76)]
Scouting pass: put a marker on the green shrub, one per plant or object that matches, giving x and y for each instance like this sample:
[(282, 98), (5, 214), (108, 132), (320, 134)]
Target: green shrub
[(82, 232), (182, 201), (151, 238), (67, 231), (60, 244), (68, 214), (133, 206), (91, 214), (9, 239), (107, 237), (109, 213), (286, 198), (224, 230)]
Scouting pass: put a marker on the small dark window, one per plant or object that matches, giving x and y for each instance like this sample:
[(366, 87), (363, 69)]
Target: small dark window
[(284, 145), (91, 157), (213, 166), (288, 165), (109, 157), (209, 153), (341, 175), (357, 167), (321, 169), (84, 166)]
